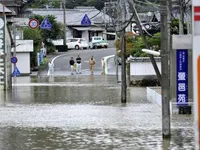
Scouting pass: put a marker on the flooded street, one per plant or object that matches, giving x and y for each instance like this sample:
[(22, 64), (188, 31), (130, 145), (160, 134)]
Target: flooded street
[(85, 112)]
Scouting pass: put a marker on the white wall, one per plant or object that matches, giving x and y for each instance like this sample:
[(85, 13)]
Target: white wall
[(24, 46), (143, 68), (85, 35), (23, 63)]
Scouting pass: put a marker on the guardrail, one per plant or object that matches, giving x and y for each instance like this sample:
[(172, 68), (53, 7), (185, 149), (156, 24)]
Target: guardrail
[(106, 62)]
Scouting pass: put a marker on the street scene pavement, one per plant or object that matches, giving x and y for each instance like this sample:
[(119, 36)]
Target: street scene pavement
[(62, 67), (84, 112)]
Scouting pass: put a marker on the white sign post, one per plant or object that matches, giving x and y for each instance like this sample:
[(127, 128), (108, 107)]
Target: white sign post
[(196, 68)]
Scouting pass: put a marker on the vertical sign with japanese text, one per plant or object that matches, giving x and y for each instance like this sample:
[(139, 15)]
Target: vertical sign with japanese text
[(196, 68), (2, 50), (182, 77)]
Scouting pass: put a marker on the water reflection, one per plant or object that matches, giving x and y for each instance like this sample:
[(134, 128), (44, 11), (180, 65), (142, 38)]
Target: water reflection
[(97, 138), (85, 113)]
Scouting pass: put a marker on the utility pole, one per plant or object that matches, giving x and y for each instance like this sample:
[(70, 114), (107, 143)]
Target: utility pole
[(109, 8), (145, 42), (181, 20), (123, 51), (64, 20), (165, 83)]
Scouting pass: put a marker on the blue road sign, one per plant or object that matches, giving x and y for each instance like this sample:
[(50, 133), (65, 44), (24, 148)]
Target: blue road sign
[(46, 24), (16, 72), (182, 77), (14, 60), (86, 20)]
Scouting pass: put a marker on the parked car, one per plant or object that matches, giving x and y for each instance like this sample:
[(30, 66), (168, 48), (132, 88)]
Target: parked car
[(77, 43), (98, 42)]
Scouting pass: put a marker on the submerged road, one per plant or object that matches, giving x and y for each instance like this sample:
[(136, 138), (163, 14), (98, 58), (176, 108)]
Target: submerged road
[(85, 113)]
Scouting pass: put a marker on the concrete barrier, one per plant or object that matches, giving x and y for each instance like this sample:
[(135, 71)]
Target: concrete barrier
[(106, 62), (155, 97)]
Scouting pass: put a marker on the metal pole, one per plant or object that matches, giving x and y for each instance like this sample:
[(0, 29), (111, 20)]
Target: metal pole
[(15, 47), (181, 20), (165, 70), (123, 57), (64, 19), (146, 44), (123, 66), (116, 61)]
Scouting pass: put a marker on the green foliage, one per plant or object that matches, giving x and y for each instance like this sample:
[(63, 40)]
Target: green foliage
[(55, 32), (56, 4), (135, 44), (39, 3), (39, 35), (98, 4), (34, 35)]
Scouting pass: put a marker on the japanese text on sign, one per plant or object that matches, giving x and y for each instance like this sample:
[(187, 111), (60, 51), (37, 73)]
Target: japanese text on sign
[(182, 77)]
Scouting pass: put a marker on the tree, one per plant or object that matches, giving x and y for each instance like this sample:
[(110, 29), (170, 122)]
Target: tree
[(35, 35), (54, 33)]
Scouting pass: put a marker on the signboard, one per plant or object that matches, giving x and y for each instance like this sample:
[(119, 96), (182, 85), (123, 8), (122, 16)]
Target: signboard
[(182, 77), (14, 60), (86, 20), (2, 50), (16, 72), (46, 24), (196, 69), (33, 23)]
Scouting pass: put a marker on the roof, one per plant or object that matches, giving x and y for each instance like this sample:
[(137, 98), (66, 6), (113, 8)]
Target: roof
[(73, 16), (89, 28)]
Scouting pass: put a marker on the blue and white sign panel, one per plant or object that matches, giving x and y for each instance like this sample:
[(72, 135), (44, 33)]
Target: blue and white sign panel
[(46, 24), (86, 20), (16, 72), (14, 60), (182, 77)]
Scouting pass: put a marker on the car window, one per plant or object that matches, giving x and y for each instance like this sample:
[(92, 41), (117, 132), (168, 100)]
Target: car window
[(74, 40), (69, 40), (83, 40)]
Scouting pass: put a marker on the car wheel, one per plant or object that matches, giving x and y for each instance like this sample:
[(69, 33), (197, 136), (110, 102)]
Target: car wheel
[(95, 47), (77, 47), (105, 46)]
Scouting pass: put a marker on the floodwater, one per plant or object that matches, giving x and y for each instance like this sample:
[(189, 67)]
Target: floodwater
[(85, 113)]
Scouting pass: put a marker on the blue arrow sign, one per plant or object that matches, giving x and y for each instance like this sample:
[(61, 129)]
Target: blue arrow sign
[(16, 72), (14, 60), (46, 24), (86, 20)]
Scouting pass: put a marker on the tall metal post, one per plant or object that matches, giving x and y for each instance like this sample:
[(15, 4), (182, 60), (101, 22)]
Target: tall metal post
[(181, 19), (123, 52), (15, 47), (64, 20), (146, 44), (165, 84), (123, 65)]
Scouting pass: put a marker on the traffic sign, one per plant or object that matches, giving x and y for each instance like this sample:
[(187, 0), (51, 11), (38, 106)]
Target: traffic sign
[(196, 69), (46, 24), (33, 23), (86, 20), (16, 72), (14, 60)]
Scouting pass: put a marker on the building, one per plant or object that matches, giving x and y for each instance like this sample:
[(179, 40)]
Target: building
[(74, 17)]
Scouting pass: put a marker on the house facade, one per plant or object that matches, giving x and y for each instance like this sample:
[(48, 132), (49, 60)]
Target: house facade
[(74, 18)]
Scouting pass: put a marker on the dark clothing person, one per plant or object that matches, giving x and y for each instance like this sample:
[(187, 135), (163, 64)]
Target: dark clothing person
[(71, 62), (78, 60)]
